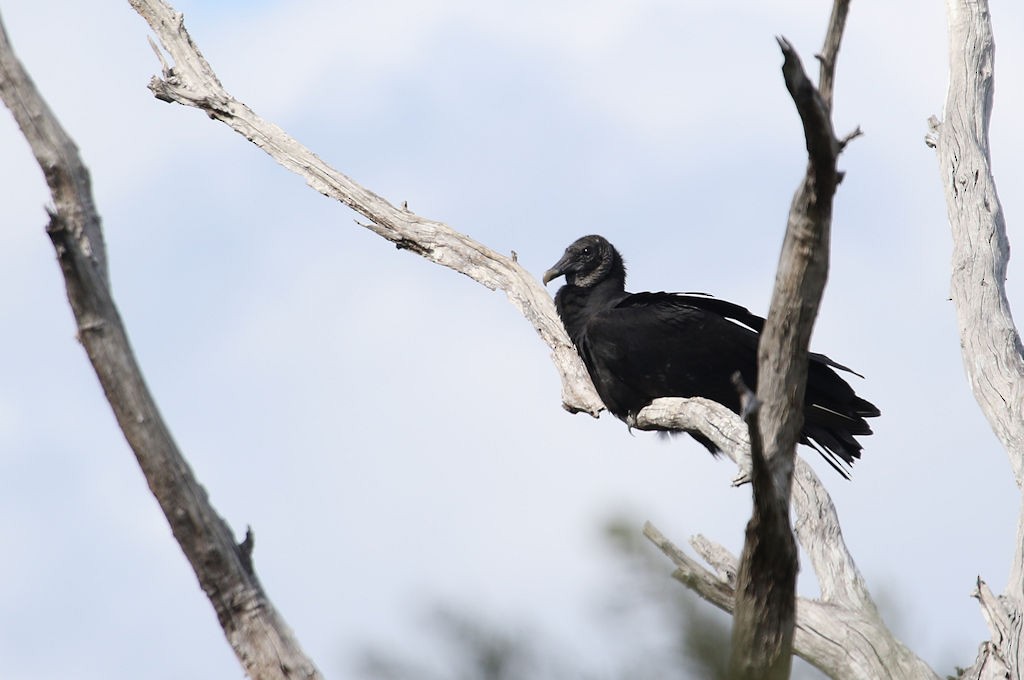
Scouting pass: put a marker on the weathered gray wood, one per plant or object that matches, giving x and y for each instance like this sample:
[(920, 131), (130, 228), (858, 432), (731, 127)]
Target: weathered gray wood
[(261, 639), (816, 521), (764, 614), (842, 634), (990, 344), (843, 640), (190, 81)]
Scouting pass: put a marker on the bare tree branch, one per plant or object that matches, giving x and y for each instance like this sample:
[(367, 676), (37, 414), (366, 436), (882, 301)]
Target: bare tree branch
[(765, 610), (842, 633), (191, 81), (765, 590), (830, 51), (991, 346), (764, 619), (764, 616), (712, 587), (57, 155), (845, 642), (262, 641), (817, 523)]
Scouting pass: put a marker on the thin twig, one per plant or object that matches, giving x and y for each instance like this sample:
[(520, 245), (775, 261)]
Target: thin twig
[(830, 51)]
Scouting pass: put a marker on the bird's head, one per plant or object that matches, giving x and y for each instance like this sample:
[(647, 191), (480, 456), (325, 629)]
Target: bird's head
[(587, 262)]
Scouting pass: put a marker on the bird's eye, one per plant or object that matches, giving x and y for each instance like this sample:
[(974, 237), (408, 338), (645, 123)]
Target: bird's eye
[(586, 252)]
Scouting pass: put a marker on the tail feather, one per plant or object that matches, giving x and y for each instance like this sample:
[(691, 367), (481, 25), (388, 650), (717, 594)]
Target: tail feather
[(837, 447)]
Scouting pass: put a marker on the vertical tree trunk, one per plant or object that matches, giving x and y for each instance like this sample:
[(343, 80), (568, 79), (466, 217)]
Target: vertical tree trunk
[(765, 616), (991, 346)]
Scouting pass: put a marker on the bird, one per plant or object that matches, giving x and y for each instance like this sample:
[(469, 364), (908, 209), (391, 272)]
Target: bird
[(641, 346)]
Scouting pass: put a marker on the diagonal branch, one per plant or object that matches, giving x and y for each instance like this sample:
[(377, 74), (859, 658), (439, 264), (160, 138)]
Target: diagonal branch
[(56, 154), (845, 643), (190, 81), (816, 520), (261, 639)]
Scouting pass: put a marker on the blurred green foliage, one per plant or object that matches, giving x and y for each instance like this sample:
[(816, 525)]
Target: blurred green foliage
[(667, 631)]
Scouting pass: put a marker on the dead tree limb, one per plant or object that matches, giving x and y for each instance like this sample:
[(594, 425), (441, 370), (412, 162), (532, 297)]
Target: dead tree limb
[(190, 81), (259, 636), (858, 644), (764, 617), (990, 343), (765, 609)]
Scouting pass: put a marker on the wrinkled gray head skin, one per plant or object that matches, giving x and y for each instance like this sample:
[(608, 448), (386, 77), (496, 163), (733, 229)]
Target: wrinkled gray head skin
[(586, 262)]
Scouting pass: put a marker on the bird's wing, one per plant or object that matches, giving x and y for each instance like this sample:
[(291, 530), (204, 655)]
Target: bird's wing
[(703, 301), (725, 309), (650, 345)]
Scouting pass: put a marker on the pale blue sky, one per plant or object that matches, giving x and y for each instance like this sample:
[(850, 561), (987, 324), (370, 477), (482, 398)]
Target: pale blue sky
[(392, 430)]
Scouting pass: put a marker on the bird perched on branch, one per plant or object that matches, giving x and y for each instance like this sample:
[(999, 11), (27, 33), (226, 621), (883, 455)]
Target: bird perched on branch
[(641, 346)]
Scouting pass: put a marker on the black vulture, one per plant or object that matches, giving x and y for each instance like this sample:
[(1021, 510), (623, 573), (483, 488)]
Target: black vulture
[(640, 346)]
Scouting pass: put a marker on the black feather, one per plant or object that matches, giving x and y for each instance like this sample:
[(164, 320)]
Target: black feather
[(641, 346)]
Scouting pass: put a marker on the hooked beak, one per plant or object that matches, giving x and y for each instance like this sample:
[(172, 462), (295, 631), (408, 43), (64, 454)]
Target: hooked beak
[(560, 268)]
